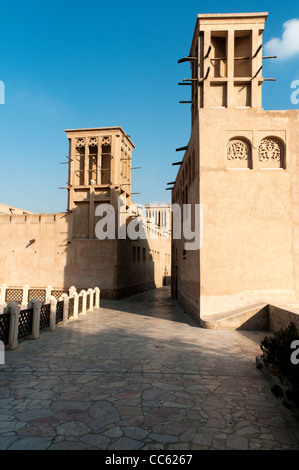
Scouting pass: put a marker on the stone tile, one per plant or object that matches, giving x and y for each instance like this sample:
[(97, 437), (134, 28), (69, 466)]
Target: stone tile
[(38, 430), (100, 424), (163, 438), (100, 442), (203, 438), (114, 432), (248, 431), (179, 446), (218, 444), (237, 442), (32, 415), (125, 443), (283, 435), (157, 395), (31, 443), (129, 410), (134, 432), (69, 445), (216, 423), (73, 428), (70, 405), (5, 442)]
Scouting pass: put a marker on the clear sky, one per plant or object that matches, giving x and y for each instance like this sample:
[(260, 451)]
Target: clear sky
[(71, 64)]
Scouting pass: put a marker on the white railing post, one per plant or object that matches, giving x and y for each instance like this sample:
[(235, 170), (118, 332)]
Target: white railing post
[(2, 296), (48, 293), (53, 305), (97, 298), (76, 304), (90, 292), (36, 305), (65, 299), (72, 289), (14, 309), (25, 295), (84, 295)]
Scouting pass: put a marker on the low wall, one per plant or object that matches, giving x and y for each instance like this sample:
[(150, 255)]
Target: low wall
[(263, 317), (189, 306), (281, 317)]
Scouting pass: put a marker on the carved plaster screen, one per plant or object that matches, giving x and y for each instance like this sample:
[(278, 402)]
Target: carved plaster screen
[(93, 160), (271, 153), (238, 154)]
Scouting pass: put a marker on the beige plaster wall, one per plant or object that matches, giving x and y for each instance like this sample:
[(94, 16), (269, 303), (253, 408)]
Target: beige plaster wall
[(249, 250), (185, 263)]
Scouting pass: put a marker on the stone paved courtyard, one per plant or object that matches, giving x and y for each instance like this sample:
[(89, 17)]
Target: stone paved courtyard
[(139, 374)]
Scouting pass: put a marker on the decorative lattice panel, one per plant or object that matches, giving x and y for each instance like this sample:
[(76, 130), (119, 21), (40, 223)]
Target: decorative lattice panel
[(57, 293), (59, 311), (238, 149), (80, 142), (44, 316), (80, 306), (39, 294), (25, 322), (14, 295), (71, 307), (4, 327), (87, 301), (270, 150)]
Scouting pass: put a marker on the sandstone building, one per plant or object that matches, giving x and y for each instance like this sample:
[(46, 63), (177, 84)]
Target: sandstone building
[(62, 250), (241, 164)]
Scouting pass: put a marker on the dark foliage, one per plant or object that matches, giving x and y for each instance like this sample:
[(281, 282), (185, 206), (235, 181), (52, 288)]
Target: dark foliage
[(277, 351)]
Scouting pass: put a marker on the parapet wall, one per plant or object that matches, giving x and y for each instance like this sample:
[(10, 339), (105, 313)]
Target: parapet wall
[(33, 249), (259, 317), (281, 317)]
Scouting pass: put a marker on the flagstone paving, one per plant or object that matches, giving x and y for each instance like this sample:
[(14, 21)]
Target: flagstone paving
[(139, 374)]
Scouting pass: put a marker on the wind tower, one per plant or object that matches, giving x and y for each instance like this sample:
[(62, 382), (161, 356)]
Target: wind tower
[(226, 61), (99, 172), (249, 251)]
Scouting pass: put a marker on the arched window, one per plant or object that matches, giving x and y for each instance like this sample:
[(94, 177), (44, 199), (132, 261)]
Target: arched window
[(271, 153), (238, 153), (80, 161), (93, 160)]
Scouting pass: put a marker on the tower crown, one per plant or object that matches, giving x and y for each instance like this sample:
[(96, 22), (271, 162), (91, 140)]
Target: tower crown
[(99, 171), (226, 60)]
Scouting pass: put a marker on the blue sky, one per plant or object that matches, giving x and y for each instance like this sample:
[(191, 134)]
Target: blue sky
[(92, 64)]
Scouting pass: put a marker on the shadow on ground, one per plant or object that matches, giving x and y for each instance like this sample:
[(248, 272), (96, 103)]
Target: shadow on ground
[(155, 303)]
